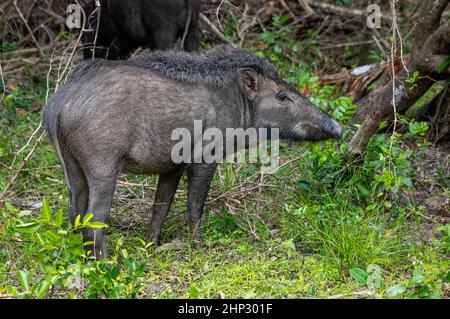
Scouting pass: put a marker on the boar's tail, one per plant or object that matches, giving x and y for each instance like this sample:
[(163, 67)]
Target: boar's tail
[(50, 120)]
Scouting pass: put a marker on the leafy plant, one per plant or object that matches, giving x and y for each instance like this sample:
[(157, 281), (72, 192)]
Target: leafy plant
[(417, 129), (426, 282), (371, 277), (412, 80), (343, 108), (55, 248), (445, 241)]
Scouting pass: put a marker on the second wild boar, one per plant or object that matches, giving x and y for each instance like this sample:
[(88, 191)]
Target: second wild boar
[(128, 24)]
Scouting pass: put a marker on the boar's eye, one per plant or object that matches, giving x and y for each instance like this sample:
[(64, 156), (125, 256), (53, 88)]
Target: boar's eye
[(282, 96)]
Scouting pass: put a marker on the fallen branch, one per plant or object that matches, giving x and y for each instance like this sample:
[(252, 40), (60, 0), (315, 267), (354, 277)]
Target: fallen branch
[(305, 6), (342, 10), (360, 140), (348, 44), (34, 50)]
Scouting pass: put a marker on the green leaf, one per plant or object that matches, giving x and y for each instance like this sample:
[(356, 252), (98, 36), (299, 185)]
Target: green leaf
[(24, 213), (87, 218), (363, 189), (59, 217), (444, 65), (24, 280), (10, 207), (417, 278), (375, 280), (406, 181), (447, 277), (42, 287), (116, 292), (304, 185), (12, 291), (76, 223), (40, 240), (193, 292), (359, 275), (395, 290), (46, 212), (87, 243), (98, 225), (27, 228)]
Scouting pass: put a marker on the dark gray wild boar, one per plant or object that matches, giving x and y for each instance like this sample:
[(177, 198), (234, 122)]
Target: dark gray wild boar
[(128, 24), (119, 115)]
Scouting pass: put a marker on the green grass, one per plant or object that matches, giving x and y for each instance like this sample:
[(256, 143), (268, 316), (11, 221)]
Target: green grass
[(299, 235)]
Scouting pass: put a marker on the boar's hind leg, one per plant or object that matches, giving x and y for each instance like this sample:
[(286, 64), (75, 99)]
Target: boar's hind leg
[(78, 188), (101, 184), (192, 41), (167, 186), (199, 182)]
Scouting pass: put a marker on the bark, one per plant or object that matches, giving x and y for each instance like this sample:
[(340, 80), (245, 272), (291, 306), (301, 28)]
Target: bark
[(440, 118), (423, 108), (426, 20), (360, 140), (426, 61), (429, 13)]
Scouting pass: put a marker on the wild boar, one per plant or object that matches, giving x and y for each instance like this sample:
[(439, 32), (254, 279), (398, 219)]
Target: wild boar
[(128, 24), (111, 116)]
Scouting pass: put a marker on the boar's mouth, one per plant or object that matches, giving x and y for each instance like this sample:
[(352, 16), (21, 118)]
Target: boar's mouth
[(308, 132), (332, 129)]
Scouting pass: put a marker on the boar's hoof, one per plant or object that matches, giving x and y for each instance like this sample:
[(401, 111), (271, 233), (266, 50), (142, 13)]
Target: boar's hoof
[(198, 244), (97, 252), (152, 236), (94, 243)]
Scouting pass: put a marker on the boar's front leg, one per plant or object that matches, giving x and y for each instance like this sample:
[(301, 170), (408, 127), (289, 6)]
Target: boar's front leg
[(199, 181), (167, 186), (164, 37)]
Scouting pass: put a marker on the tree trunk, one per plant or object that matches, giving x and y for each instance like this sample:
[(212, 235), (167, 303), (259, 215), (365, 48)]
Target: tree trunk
[(429, 13), (426, 61)]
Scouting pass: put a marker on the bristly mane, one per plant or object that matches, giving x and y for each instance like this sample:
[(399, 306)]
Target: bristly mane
[(211, 68)]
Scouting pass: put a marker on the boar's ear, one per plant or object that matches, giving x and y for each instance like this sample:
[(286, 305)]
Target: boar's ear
[(248, 82)]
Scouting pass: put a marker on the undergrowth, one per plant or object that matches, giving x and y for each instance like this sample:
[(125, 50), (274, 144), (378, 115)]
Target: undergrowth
[(318, 227)]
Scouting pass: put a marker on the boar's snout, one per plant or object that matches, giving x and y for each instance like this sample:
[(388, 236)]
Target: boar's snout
[(316, 125), (333, 129)]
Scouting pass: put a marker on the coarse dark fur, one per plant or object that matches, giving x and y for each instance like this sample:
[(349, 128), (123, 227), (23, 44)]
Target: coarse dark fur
[(215, 68), (111, 116)]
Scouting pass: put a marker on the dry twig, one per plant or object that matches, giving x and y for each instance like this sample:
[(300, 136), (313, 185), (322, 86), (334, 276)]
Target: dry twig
[(36, 43), (213, 28)]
